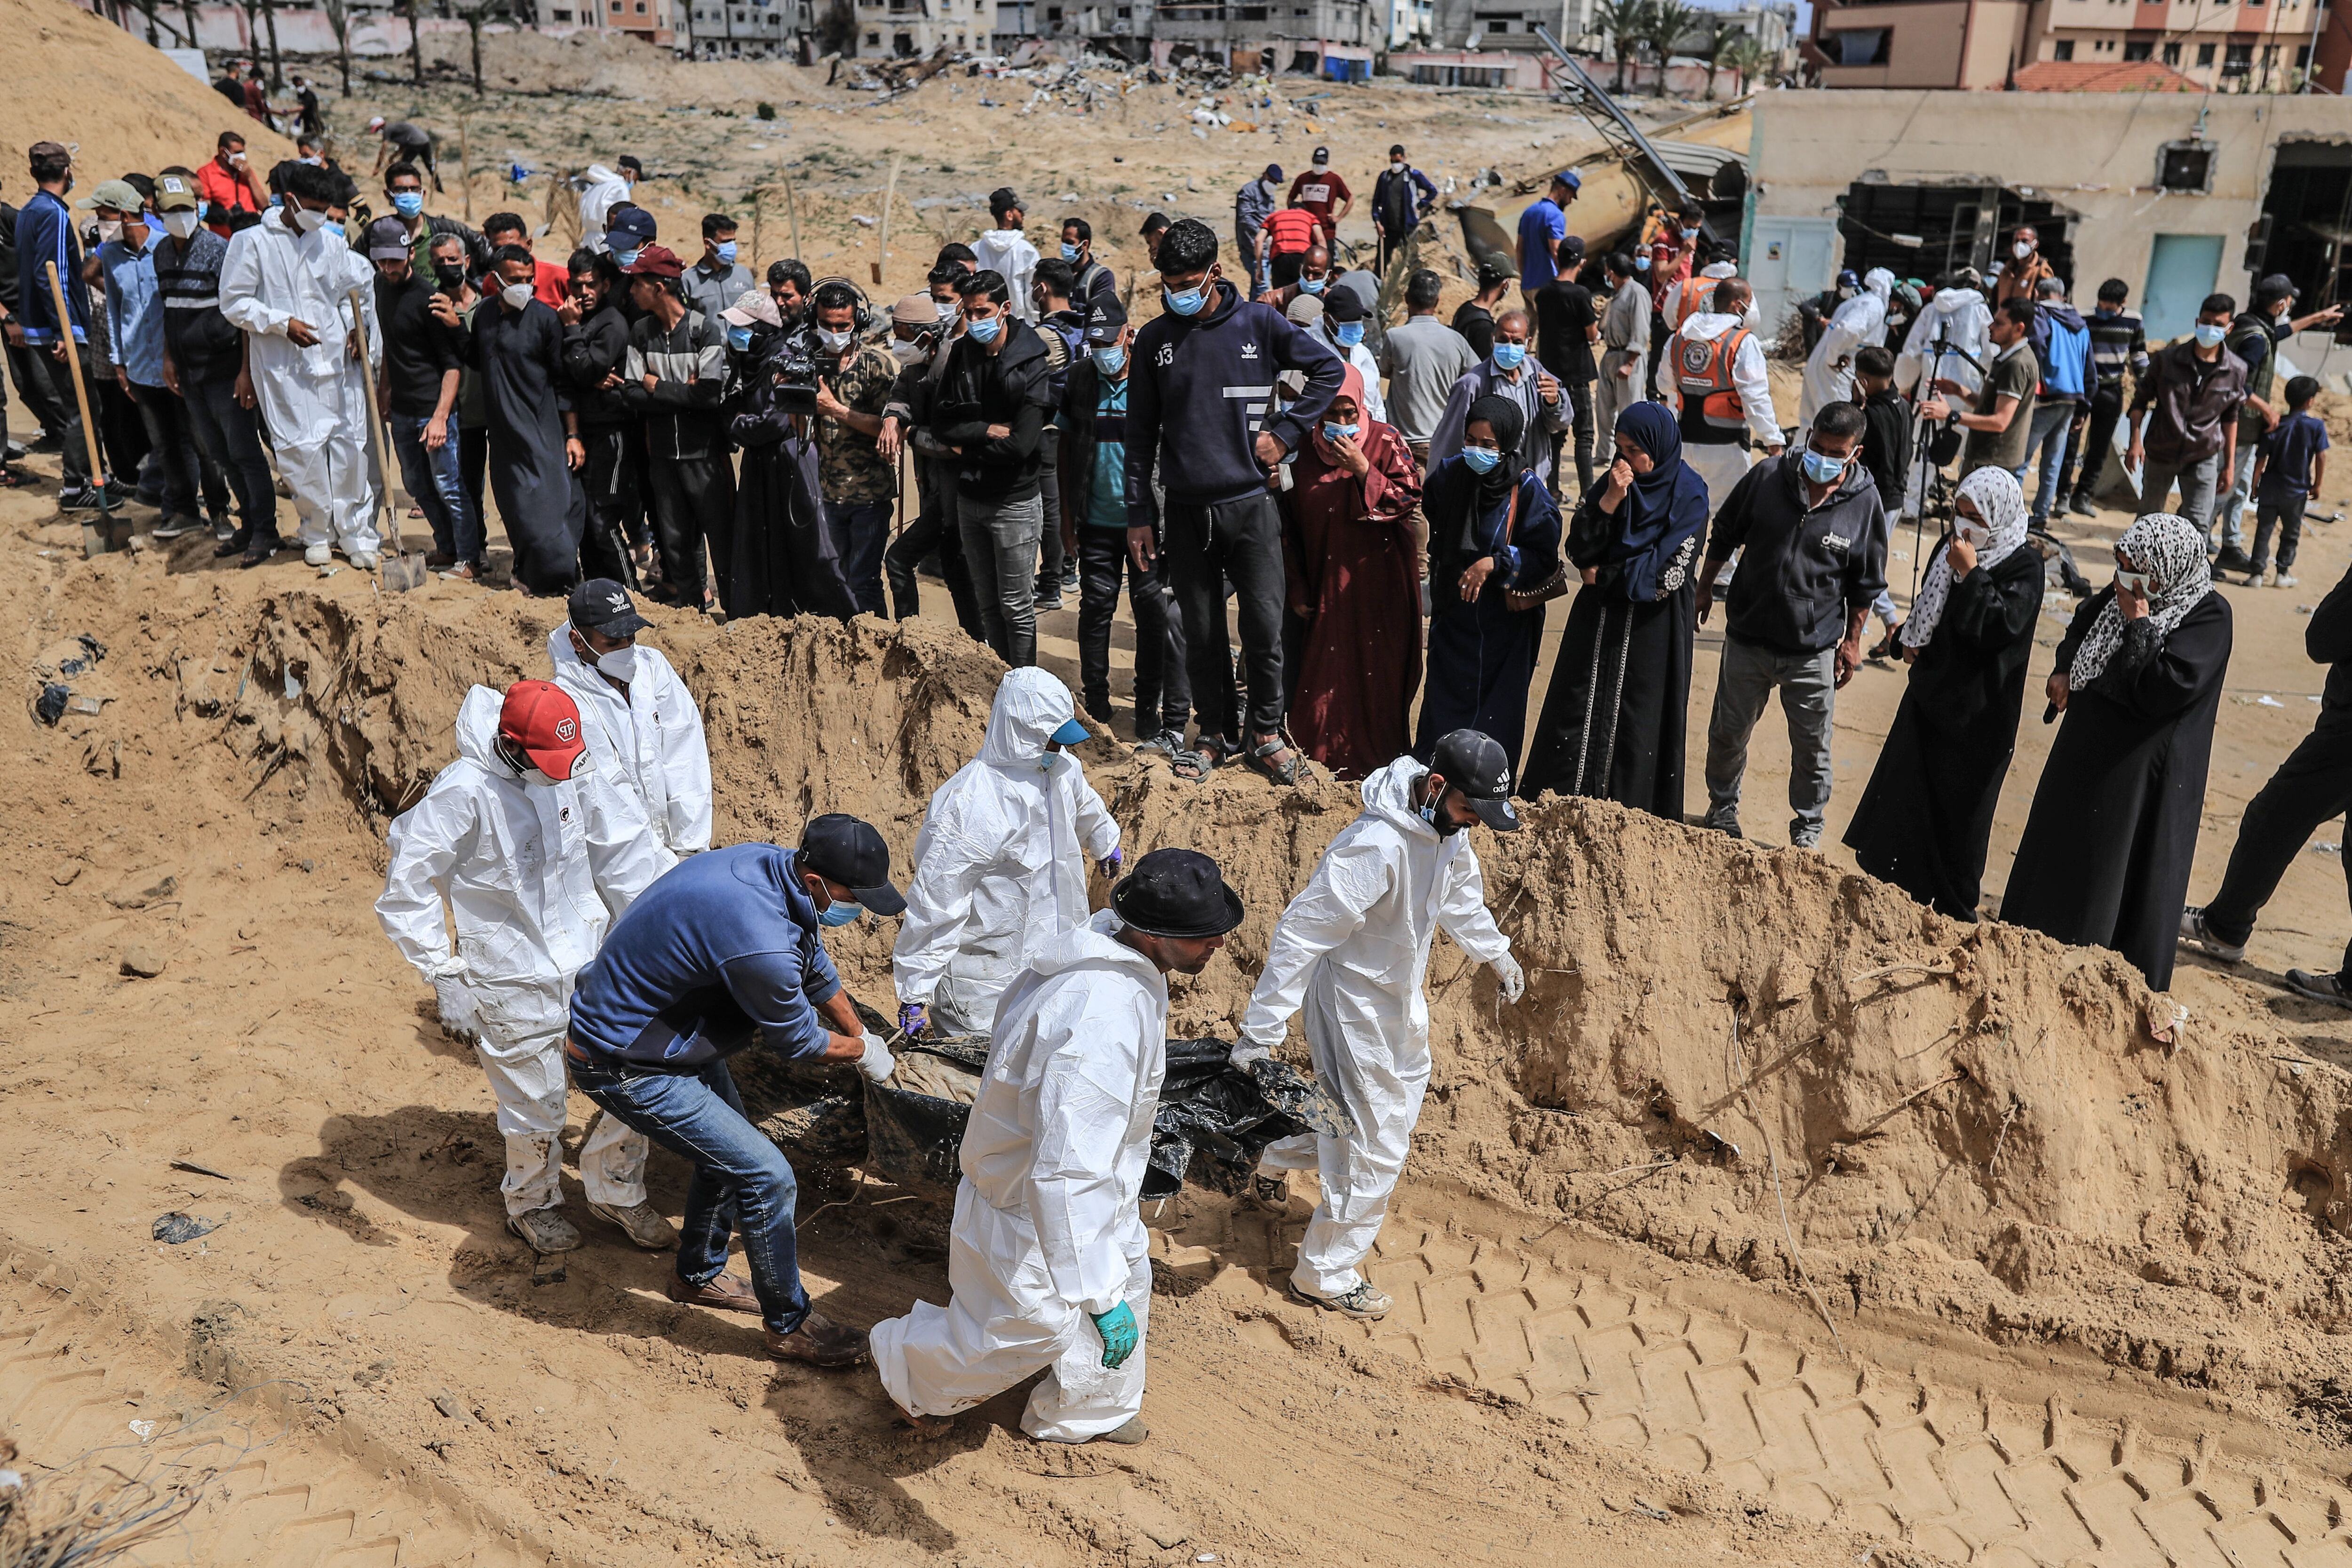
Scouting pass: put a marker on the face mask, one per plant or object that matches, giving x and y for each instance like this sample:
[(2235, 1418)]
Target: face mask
[(841, 912), (1110, 361), (1641, 264), (1509, 356), (2210, 335), (1333, 432), (314, 162), (1446, 828), (625, 259), (1189, 303), (908, 354), (1396, 166), (1349, 333), (983, 328), (1820, 467), (308, 221), (621, 664), (1973, 534), (109, 228), (332, 226), (1690, 233), (515, 295), (1846, 293), (180, 224), (1312, 285), (833, 341), (1269, 187), (238, 158), (1069, 252), (408, 203), (2021, 250), (452, 278), (946, 309), (738, 338), (1482, 459)]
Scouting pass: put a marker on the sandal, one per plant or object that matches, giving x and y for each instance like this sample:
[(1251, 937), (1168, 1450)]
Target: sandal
[(1192, 767), (1261, 757), (1890, 646)]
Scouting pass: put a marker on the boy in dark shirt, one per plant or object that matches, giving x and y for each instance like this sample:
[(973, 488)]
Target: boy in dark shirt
[(1886, 426), (1567, 326), (2292, 461)]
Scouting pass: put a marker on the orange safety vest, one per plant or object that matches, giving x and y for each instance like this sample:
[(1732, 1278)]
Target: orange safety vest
[(1702, 372), (1693, 301)]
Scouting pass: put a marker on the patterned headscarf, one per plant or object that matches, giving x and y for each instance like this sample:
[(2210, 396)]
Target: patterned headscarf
[(2172, 551), (1999, 501)]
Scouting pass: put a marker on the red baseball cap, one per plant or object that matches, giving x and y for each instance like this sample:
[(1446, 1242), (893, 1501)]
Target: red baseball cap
[(656, 262), (541, 718)]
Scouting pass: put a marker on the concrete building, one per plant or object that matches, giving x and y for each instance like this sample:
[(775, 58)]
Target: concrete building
[(1509, 25), (744, 29), (2220, 46), (912, 29), (2168, 191), (658, 21), (1332, 39)]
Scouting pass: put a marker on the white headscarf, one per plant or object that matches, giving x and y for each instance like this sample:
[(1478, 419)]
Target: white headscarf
[(2172, 551), (2002, 504)]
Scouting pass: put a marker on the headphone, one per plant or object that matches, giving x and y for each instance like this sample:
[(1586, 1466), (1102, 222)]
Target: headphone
[(861, 313)]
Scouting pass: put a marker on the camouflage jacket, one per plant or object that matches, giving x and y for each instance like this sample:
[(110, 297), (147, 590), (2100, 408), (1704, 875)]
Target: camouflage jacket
[(849, 470)]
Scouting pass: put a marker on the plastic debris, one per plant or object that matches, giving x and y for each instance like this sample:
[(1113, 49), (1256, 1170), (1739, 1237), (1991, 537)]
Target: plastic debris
[(174, 1228)]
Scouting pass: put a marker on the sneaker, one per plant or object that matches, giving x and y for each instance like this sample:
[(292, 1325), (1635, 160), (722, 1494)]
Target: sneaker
[(641, 1223), (224, 528), (545, 1230), (317, 554), (1099, 707), (2254, 578), (81, 497), (2233, 558), (1069, 575), (2195, 933), (2284, 580), (1807, 837), (2319, 987), (1044, 601), (173, 527), (1166, 743), (1126, 1435), (365, 560), (726, 1292), (819, 1341), (464, 572), (1726, 822), (1363, 1303), (2081, 506)]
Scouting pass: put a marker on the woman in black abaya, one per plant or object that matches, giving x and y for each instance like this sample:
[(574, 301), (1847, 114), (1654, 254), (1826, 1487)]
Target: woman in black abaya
[(1614, 718), (2107, 851), (1924, 819)]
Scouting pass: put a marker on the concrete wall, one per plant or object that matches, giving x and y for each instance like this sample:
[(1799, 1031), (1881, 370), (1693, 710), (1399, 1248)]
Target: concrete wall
[(2094, 155), (1931, 43)]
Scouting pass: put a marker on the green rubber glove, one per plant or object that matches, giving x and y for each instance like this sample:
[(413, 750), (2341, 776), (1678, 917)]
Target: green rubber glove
[(1120, 1334)]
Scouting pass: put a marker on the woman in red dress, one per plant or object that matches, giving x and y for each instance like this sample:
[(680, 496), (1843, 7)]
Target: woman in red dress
[(1352, 638)]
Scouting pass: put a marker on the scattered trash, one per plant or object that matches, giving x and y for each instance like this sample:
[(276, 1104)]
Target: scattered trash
[(2267, 701), (293, 688), (50, 705), (202, 1170), (62, 668), (145, 1429), (2326, 847), (173, 1228)]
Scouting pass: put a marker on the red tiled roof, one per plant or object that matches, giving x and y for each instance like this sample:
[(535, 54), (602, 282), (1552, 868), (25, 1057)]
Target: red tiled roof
[(2093, 76)]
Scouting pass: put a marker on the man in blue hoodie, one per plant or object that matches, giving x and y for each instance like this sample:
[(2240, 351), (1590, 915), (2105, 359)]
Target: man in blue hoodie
[(1203, 374), (2061, 340)]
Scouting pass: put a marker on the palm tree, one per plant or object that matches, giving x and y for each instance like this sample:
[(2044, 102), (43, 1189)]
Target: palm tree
[(1748, 57), (1627, 23), (474, 13), (415, 40), (276, 60), (1719, 36), (1669, 20), (188, 15), (338, 22)]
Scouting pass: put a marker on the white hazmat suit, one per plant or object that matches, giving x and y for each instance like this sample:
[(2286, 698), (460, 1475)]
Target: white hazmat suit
[(1352, 950), (1856, 323), (649, 742), (314, 400), (1722, 464), (601, 191), (534, 874), (1001, 862), (1047, 1233)]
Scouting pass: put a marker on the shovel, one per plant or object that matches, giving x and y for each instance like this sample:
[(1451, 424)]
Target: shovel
[(96, 537), (402, 572)]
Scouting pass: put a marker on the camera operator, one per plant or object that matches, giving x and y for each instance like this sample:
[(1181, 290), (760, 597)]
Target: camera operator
[(858, 486), (922, 326)]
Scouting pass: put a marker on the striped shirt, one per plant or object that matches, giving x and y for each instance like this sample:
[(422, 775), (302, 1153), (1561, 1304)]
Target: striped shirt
[(688, 363), (203, 345)]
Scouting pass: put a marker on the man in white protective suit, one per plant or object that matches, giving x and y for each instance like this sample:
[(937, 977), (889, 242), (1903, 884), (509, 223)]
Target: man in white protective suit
[(538, 853), (285, 283), (1352, 950), (1001, 862), (1858, 322), (643, 730), (1048, 1260)]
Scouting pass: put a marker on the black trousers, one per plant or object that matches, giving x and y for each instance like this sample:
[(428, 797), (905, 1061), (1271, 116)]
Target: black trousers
[(74, 452), (932, 530), (229, 434), (474, 461), (1580, 403), (2089, 445), (1163, 689), (693, 504), (180, 473), (610, 480), (121, 436), (1049, 545), (34, 390), (1204, 547), (2312, 785)]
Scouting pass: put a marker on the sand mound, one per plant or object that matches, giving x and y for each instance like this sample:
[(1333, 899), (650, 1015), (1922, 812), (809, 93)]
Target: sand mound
[(77, 78)]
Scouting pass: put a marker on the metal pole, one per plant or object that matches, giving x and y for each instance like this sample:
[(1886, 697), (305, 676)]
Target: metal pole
[(95, 539)]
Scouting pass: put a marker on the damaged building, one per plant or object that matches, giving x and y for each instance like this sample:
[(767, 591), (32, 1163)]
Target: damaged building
[(2180, 195)]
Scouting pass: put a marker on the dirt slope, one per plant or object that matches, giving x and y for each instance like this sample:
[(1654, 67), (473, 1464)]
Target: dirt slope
[(77, 78)]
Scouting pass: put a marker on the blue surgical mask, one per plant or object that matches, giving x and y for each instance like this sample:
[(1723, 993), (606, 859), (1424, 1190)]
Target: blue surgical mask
[(333, 227), (1110, 360), (1509, 356), (983, 328), (2210, 333), (1189, 303), (408, 203), (1641, 263), (1820, 467), (1350, 333), (625, 259), (1312, 285), (1482, 459), (1069, 252), (1333, 432), (840, 913), (738, 338), (727, 253)]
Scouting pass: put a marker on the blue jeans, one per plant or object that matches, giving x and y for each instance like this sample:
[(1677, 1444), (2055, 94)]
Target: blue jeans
[(230, 434), (742, 1181), (434, 481), (2047, 434), (860, 530), (2232, 506)]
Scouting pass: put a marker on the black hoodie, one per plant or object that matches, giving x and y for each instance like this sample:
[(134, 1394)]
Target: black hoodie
[(1205, 381), (1807, 569), (1011, 387)]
